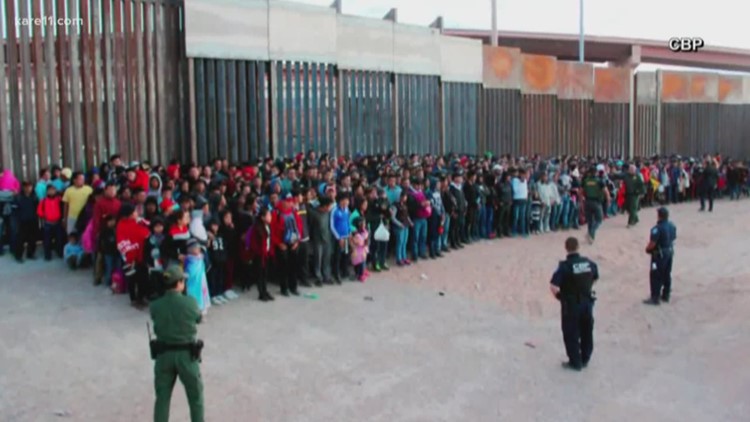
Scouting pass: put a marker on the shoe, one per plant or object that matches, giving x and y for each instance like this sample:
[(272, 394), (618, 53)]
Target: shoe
[(231, 294), (423, 257), (328, 282), (263, 298), (294, 292), (338, 281), (584, 363), (439, 255), (318, 283), (572, 367), (19, 259), (407, 262), (305, 284), (446, 249), (385, 267), (361, 279), (366, 273), (665, 299), (285, 293), (651, 302), (377, 268)]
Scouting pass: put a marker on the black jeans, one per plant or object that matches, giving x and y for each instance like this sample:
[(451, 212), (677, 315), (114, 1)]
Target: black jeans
[(707, 194), (26, 239), (578, 330), (287, 262), (216, 277), (303, 259), (138, 285), (260, 275), (340, 259), (660, 277), (53, 233), (456, 229)]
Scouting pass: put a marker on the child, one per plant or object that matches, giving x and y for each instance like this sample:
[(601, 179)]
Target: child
[(155, 258), (258, 242), (536, 213), (167, 205), (231, 246), (359, 244), (108, 248), (195, 268), (179, 234), (50, 214), (73, 252), (217, 255)]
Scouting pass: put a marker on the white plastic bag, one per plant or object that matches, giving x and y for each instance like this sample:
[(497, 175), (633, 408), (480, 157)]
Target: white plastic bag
[(382, 234)]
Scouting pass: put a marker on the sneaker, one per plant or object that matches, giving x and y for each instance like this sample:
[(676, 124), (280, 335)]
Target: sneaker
[(407, 262), (651, 302), (216, 301), (318, 283), (294, 292), (571, 366), (377, 268), (366, 273), (385, 267), (285, 293), (231, 294), (361, 279)]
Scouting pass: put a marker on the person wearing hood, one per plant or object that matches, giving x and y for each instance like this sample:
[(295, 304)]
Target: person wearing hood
[(9, 187), (155, 186)]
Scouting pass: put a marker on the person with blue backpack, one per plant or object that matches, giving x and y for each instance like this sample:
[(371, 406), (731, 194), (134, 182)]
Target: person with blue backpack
[(286, 229)]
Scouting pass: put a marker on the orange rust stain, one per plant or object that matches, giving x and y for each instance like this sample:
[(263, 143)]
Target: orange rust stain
[(727, 86), (674, 86), (540, 72), (575, 79), (501, 63), (698, 86), (612, 84)]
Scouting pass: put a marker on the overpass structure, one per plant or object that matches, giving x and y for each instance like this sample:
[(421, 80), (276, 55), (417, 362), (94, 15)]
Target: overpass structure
[(620, 51)]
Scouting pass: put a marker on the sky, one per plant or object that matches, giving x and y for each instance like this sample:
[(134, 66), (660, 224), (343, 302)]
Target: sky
[(723, 23)]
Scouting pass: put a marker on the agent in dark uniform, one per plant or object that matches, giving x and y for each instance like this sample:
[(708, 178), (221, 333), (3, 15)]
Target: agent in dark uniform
[(708, 185), (661, 249), (571, 284), (176, 352), (595, 192), (634, 188)]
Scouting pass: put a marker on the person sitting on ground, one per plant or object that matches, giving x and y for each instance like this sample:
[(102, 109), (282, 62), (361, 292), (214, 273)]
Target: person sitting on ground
[(73, 252)]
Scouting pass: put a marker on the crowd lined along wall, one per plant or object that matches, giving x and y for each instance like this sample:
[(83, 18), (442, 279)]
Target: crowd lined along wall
[(162, 79)]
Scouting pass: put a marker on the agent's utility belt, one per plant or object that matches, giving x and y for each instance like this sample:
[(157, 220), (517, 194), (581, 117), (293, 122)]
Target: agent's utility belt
[(158, 348), (577, 298)]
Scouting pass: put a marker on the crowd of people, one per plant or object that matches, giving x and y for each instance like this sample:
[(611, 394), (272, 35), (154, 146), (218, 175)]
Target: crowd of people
[(313, 221)]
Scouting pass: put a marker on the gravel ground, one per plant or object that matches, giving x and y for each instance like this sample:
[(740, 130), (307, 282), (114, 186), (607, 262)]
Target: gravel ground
[(488, 349)]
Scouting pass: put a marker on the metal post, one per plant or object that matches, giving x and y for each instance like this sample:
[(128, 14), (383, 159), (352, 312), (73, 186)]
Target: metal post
[(580, 31), (493, 41)]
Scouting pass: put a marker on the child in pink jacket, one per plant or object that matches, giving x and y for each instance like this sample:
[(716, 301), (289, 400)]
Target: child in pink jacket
[(359, 243)]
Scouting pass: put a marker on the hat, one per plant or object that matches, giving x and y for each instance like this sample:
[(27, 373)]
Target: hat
[(497, 168), (126, 210), (600, 167), (174, 274), (288, 196), (66, 173)]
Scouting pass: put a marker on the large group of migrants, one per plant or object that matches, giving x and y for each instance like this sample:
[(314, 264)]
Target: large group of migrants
[(310, 220)]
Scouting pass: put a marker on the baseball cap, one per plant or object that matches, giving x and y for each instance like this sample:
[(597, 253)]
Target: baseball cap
[(174, 274), (66, 173)]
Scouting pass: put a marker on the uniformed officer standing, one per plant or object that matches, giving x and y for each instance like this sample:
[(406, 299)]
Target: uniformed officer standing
[(595, 192), (571, 285), (634, 188), (661, 249), (176, 350)]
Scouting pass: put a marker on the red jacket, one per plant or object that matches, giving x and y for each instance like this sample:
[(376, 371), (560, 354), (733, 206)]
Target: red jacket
[(173, 171), (131, 239), (141, 181), (278, 227), (104, 206), (257, 244), (49, 209)]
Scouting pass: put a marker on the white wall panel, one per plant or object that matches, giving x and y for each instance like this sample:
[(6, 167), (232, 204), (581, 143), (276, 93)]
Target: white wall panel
[(227, 29), (416, 50), (364, 44), (302, 32), (460, 59)]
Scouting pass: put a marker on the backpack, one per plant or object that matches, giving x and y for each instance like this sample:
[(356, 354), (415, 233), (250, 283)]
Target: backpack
[(291, 230)]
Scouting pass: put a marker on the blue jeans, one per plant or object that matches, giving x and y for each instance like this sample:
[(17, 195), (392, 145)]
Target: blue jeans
[(564, 217), (446, 229), (486, 220), (520, 217), (594, 216), (554, 217), (419, 238), (111, 263), (402, 236)]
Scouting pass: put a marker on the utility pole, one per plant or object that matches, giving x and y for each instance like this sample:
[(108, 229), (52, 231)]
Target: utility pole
[(493, 41)]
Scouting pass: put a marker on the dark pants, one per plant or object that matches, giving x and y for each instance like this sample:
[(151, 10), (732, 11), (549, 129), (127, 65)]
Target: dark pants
[(502, 220), (260, 275), (381, 252), (138, 285), (303, 261), (594, 216), (286, 270), (661, 277), (707, 194), (26, 239), (631, 204), (578, 330), (156, 283), (456, 228), (216, 276), (322, 260), (520, 219), (433, 235), (340, 260), (469, 229), (53, 233)]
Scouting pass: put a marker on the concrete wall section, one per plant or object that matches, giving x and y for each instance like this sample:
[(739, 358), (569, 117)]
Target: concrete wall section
[(730, 89), (704, 87), (675, 87), (689, 87), (460, 59), (364, 44), (575, 81), (746, 90), (501, 67), (227, 29), (301, 32), (646, 87), (612, 84), (539, 74), (416, 50)]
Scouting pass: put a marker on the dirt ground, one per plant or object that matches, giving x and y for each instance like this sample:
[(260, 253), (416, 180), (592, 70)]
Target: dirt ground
[(489, 349)]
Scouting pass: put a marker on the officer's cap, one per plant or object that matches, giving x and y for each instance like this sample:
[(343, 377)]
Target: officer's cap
[(173, 275), (663, 212)]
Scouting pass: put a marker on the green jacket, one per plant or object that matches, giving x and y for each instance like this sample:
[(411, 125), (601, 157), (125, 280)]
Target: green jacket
[(175, 318), (633, 185)]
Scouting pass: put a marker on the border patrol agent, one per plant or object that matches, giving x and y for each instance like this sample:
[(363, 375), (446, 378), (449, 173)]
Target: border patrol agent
[(595, 192), (661, 249), (175, 351), (634, 188), (571, 285)]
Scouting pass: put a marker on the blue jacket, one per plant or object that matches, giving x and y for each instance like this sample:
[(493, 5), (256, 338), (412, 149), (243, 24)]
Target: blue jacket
[(340, 223)]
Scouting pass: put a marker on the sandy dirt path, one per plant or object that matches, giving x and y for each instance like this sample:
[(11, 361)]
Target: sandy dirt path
[(489, 349)]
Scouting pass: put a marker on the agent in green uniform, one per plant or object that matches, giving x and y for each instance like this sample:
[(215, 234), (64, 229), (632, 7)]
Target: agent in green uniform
[(634, 188), (596, 194), (176, 350)]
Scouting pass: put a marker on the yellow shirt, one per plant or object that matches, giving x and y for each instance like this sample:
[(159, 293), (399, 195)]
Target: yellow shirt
[(76, 199)]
